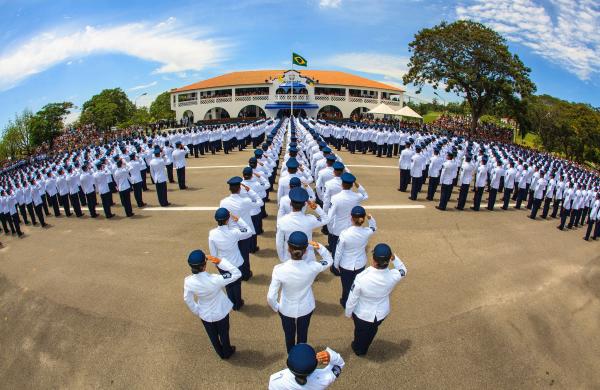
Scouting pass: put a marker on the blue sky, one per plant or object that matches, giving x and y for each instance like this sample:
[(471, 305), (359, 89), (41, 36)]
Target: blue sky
[(65, 50)]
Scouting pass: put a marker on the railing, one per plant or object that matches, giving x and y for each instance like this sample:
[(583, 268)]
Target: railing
[(338, 98), (260, 97), (224, 99), (370, 101), (321, 97), (187, 103), (391, 102), (207, 100), (356, 100), (243, 98), (288, 98)]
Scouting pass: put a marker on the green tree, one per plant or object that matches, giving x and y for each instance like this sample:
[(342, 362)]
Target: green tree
[(161, 107), (469, 59), (109, 108), (47, 123), (16, 135), (139, 117)]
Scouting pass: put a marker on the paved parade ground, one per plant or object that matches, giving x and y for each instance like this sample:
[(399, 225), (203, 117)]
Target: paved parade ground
[(491, 299)]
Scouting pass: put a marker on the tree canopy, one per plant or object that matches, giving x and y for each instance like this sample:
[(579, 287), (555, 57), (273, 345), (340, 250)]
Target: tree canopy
[(47, 123), (106, 109), (161, 107), (470, 59)]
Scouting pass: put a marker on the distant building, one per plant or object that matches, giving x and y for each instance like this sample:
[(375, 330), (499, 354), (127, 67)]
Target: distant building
[(259, 93)]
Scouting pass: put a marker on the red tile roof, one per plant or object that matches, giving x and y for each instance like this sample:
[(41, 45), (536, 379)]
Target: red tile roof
[(253, 77)]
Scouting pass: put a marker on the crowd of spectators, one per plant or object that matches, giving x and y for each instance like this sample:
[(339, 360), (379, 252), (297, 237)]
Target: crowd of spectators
[(461, 126)]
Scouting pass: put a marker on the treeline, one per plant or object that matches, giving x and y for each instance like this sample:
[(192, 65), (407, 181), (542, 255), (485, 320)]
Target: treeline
[(27, 131), (570, 129)]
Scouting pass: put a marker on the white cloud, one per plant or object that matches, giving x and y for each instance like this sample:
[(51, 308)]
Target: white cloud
[(570, 39), (146, 100), (389, 66), (177, 49), (330, 3), (143, 86), (72, 117)]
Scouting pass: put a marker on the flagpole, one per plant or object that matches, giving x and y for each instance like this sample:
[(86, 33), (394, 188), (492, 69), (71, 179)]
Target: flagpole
[(292, 103)]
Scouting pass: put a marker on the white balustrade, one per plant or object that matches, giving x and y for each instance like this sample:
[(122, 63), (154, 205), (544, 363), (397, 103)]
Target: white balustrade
[(187, 103)]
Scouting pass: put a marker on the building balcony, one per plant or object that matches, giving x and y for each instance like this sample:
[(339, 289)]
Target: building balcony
[(290, 97), (187, 103)]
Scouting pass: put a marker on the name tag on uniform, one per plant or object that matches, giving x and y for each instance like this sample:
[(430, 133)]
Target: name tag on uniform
[(226, 275)]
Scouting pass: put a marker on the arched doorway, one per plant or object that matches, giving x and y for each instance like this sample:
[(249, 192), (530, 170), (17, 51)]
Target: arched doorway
[(216, 113), (252, 111), (188, 117), (358, 112), (330, 112)]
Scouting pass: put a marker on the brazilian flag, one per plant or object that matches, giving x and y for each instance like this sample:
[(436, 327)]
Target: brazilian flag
[(297, 59)]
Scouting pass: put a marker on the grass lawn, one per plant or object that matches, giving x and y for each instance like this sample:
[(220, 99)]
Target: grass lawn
[(531, 140), (431, 116)]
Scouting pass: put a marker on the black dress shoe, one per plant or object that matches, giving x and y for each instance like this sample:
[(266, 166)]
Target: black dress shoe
[(439, 208), (231, 352)]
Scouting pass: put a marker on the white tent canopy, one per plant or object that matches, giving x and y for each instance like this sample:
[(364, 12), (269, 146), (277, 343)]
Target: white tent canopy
[(382, 109), (407, 111)]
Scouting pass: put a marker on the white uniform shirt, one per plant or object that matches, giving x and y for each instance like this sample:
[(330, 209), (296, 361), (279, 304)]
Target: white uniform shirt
[(350, 251), (298, 221), (341, 206), (448, 174), (240, 206), (158, 170), (369, 297), (212, 304), (87, 182), (122, 178), (321, 378), (223, 242), (179, 157), (295, 278)]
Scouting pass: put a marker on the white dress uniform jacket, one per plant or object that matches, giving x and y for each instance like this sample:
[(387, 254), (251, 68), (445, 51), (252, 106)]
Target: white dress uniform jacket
[(295, 278), (298, 221), (369, 297), (212, 304), (350, 251), (341, 205), (223, 242)]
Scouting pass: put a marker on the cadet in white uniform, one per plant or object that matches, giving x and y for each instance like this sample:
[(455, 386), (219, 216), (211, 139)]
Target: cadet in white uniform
[(302, 372), (242, 206), (369, 300), (179, 155), (298, 221), (158, 173), (294, 278), (223, 243), (341, 205), (350, 256), (211, 305)]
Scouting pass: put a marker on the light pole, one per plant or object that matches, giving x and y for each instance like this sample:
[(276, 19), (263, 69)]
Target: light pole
[(139, 96)]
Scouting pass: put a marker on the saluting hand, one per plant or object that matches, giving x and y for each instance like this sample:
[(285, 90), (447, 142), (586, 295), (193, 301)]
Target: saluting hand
[(256, 174), (246, 187), (212, 259), (356, 184), (315, 245), (323, 357), (235, 218), (369, 216), (312, 205)]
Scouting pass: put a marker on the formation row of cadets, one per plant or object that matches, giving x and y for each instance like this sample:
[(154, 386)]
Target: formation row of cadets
[(566, 190), (73, 180), (290, 292)]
